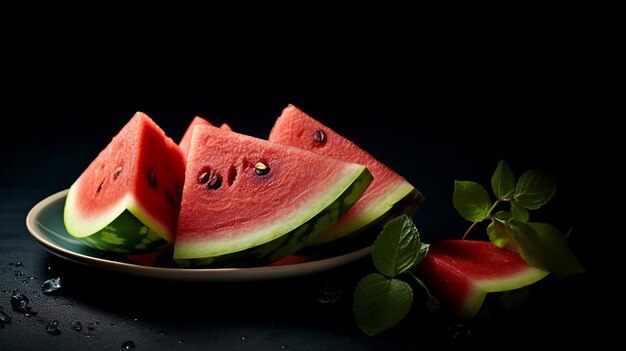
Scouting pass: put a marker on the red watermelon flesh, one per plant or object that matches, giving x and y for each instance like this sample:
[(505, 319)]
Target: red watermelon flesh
[(249, 201), (146, 259), (291, 259), (388, 190), (460, 273), (186, 140), (140, 171)]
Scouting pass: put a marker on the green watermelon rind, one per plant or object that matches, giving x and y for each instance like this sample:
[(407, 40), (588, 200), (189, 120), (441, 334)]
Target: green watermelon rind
[(124, 229), (126, 235), (463, 293), (474, 301), (381, 210), (287, 236), (367, 235), (79, 226)]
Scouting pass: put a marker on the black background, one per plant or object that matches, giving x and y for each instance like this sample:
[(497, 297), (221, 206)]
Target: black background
[(449, 112)]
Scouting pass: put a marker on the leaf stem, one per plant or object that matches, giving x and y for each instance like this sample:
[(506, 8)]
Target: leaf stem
[(421, 283), (433, 304), (469, 230), (488, 215)]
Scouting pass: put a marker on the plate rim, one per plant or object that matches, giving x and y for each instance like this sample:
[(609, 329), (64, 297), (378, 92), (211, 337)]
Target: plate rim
[(184, 274)]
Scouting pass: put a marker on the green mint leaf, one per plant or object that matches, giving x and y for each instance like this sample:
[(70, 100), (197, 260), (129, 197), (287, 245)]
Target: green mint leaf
[(397, 248), (380, 303), (503, 182), (529, 243), (559, 258), (544, 246), (501, 236), (422, 252), (471, 200), (534, 189), (518, 212), (503, 215)]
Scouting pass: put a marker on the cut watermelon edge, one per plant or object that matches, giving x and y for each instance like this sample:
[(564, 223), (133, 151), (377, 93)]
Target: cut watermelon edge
[(80, 226), (190, 249), (481, 288), (142, 215), (370, 216)]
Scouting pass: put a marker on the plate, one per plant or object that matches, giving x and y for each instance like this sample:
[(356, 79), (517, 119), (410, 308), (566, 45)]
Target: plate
[(45, 224)]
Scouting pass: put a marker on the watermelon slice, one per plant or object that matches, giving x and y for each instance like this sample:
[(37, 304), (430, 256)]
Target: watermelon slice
[(461, 272), (248, 201), (128, 198), (186, 140), (389, 194)]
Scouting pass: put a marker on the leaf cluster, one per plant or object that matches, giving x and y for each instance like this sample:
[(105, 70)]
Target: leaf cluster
[(381, 300), (541, 244)]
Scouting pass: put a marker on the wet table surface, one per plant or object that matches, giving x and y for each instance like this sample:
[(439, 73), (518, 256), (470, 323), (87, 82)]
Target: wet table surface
[(311, 312)]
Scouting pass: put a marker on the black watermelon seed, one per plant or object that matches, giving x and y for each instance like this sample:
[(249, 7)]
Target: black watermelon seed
[(261, 169), (117, 172), (152, 181), (319, 136)]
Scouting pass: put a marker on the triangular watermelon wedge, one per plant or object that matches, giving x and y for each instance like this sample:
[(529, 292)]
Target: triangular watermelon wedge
[(460, 273), (388, 196), (185, 141), (128, 198), (247, 201)]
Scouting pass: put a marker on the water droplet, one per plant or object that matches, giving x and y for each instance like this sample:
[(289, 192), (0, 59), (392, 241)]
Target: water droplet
[(31, 278), (19, 273), (51, 285), (49, 268), (127, 345), (459, 332), (19, 264), (78, 326), (5, 318), (19, 302), (24, 281), (159, 333), (283, 347), (244, 339), (135, 319), (329, 293), (181, 341), (53, 328)]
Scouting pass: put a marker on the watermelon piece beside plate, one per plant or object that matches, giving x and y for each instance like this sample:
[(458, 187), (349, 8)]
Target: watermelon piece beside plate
[(460, 273), (388, 196), (248, 201), (127, 200)]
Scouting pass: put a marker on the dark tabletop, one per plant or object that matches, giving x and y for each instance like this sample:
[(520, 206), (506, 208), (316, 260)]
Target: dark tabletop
[(431, 139)]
